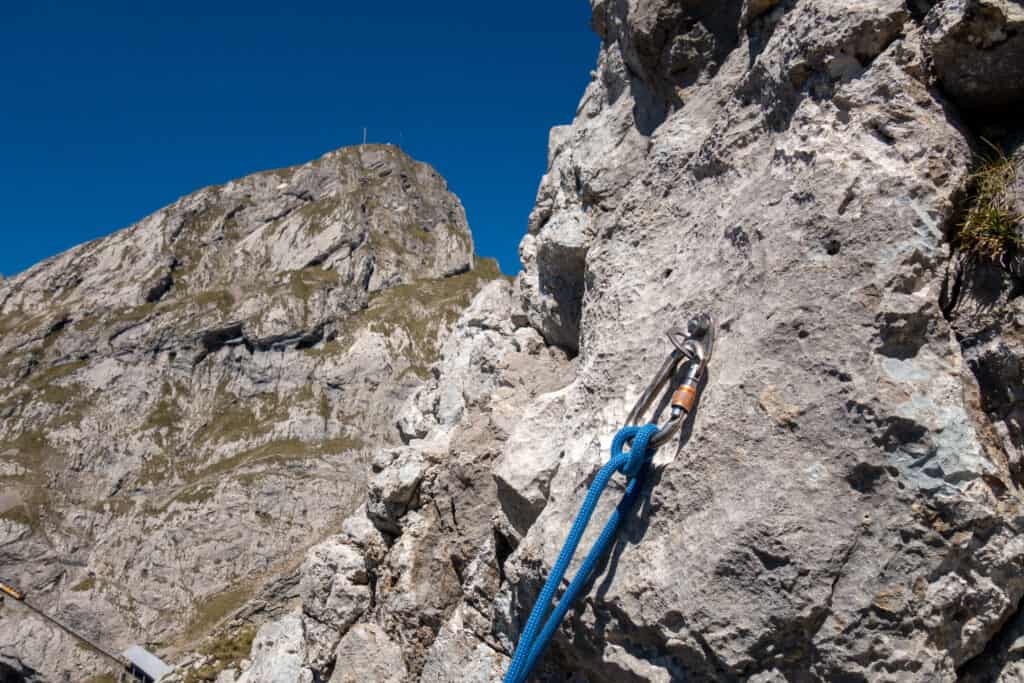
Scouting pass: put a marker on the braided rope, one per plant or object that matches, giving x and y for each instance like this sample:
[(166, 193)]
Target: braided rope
[(633, 464)]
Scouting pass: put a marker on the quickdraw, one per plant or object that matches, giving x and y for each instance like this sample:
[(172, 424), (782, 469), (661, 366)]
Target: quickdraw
[(684, 369), (694, 345)]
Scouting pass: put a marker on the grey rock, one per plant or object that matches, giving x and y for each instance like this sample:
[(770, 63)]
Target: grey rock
[(199, 395), (278, 653), (11, 469), (985, 309), (523, 473), (785, 179), (414, 421), (840, 510), (393, 489), (226, 676), (977, 51), (359, 532), (13, 669), (457, 655), (335, 592), (1003, 660), (366, 653), (435, 500)]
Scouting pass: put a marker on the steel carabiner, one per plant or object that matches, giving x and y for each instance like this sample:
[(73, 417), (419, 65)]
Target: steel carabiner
[(691, 353)]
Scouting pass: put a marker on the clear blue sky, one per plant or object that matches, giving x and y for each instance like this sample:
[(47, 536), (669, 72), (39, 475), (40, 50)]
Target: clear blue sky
[(108, 114)]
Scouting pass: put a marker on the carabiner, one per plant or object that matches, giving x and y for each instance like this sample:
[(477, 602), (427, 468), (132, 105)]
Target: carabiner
[(691, 354)]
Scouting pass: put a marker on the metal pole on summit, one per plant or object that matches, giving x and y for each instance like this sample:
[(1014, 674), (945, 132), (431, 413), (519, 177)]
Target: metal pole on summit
[(688, 360)]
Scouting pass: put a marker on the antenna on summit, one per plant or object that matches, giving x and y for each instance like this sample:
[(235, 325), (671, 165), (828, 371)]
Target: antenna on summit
[(364, 135)]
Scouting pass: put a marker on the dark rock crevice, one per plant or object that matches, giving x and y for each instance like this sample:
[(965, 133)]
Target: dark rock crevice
[(233, 334), (977, 54), (14, 671), (1003, 652), (980, 299), (159, 289)]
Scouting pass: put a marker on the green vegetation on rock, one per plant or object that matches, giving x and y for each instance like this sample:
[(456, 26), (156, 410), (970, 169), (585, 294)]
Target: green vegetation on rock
[(21, 514), (226, 650), (415, 314), (122, 414), (992, 228), (86, 584), (102, 678), (213, 609), (306, 282)]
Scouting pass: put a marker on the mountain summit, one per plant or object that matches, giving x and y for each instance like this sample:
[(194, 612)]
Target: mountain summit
[(190, 402)]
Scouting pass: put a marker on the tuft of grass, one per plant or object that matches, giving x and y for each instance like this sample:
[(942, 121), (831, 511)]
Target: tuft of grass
[(155, 469), (992, 227), (213, 609), (21, 514), (88, 583), (221, 298), (225, 651), (102, 678), (196, 493), (308, 281), (318, 215)]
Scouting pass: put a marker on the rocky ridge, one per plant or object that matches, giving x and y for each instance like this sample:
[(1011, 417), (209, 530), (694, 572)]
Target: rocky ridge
[(847, 503), (189, 404)]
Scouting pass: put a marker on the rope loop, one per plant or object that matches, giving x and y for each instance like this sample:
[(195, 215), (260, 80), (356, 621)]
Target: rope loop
[(638, 438), (545, 619), (694, 347)]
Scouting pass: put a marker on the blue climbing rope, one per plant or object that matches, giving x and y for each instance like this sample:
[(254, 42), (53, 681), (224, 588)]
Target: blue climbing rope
[(634, 465)]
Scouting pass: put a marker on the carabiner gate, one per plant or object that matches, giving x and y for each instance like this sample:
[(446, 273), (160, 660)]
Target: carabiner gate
[(692, 351)]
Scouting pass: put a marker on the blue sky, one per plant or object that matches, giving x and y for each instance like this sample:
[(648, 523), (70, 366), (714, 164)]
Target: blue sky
[(108, 114)]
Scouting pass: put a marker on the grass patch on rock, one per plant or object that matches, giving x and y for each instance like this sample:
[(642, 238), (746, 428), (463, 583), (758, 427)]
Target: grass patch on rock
[(992, 227), (421, 310), (224, 651), (305, 283), (212, 610), (86, 584), (21, 514), (102, 678), (222, 299)]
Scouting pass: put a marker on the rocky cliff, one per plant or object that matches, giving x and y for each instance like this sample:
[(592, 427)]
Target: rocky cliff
[(839, 184), (189, 404), (821, 176)]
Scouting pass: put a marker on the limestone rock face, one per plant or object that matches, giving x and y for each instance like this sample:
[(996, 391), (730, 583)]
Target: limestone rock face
[(426, 541), (846, 502), (368, 654), (189, 404), (278, 654), (977, 51), (839, 512)]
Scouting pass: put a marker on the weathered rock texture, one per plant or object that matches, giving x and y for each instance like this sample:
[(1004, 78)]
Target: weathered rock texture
[(847, 506), (189, 404)]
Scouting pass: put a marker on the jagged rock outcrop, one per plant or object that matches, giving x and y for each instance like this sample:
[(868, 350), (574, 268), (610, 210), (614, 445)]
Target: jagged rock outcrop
[(986, 309), (839, 514), (391, 581), (976, 49), (189, 404), (847, 505)]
